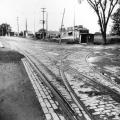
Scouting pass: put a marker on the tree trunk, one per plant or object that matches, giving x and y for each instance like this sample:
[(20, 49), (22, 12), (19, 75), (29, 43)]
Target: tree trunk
[(104, 37)]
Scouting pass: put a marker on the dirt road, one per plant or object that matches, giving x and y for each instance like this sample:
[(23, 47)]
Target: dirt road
[(17, 98)]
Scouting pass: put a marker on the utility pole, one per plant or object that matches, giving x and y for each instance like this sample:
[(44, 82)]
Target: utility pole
[(2, 30), (46, 23), (34, 25), (18, 25), (26, 26), (74, 26), (43, 21), (26, 29), (6, 30), (61, 26)]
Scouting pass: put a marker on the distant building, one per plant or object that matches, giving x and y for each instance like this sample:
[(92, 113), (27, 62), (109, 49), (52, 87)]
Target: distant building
[(28, 34), (12, 33), (41, 34), (77, 33), (53, 34), (47, 34)]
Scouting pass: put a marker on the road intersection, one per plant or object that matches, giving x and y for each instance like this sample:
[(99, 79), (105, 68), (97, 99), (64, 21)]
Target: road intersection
[(92, 82)]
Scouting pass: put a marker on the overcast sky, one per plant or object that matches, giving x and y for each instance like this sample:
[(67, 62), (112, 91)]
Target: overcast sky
[(31, 10)]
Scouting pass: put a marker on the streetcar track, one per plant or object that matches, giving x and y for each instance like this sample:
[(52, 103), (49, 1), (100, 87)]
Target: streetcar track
[(70, 113), (94, 81), (98, 72), (62, 93), (84, 111), (63, 56), (49, 84)]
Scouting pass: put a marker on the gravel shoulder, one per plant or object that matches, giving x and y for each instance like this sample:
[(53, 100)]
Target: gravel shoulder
[(17, 97)]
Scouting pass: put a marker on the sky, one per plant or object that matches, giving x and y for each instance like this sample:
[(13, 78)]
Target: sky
[(30, 10)]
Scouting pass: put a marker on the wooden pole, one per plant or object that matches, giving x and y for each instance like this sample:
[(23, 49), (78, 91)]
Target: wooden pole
[(61, 26)]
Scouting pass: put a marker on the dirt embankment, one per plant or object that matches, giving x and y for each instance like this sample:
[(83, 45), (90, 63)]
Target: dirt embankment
[(17, 97)]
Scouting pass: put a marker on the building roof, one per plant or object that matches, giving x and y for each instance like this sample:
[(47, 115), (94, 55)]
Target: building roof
[(53, 32)]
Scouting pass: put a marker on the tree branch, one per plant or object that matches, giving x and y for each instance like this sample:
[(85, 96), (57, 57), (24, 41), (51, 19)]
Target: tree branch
[(112, 6)]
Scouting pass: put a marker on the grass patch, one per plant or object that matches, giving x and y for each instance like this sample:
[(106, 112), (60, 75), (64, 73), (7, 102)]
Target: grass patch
[(17, 97), (10, 56), (110, 39)]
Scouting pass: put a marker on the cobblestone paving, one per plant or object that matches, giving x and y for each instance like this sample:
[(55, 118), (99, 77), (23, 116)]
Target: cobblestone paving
[(44, 95), (101, 106), (86, 70)]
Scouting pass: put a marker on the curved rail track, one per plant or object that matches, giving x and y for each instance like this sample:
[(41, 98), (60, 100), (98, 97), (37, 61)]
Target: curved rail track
[(108, 88), (69, 113), (65, 102)]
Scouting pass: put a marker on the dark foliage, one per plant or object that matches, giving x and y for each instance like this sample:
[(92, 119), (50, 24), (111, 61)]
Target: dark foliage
[(5, 29), (116, 23), (103, 9)]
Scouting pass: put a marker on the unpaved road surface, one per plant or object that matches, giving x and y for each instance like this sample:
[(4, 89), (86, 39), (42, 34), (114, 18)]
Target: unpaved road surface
[(17, 98)]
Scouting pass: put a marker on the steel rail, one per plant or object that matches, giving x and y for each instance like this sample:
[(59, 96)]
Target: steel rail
[(97, 71), (98, 84), (66, 108), (110, 90), (74, 97), (68, 111), (78, 102), (94, 81), (65, 105), (80, 105)]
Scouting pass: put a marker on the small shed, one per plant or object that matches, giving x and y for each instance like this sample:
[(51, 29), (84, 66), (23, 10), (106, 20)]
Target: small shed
[(86, 38)]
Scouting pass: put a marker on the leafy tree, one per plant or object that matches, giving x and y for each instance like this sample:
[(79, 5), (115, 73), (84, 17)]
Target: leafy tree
[(103, 9), (116, 22), (21, 33), (5, 29), (42, 33)]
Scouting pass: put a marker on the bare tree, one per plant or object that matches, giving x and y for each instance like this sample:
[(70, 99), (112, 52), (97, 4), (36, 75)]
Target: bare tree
[(103, 9)]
